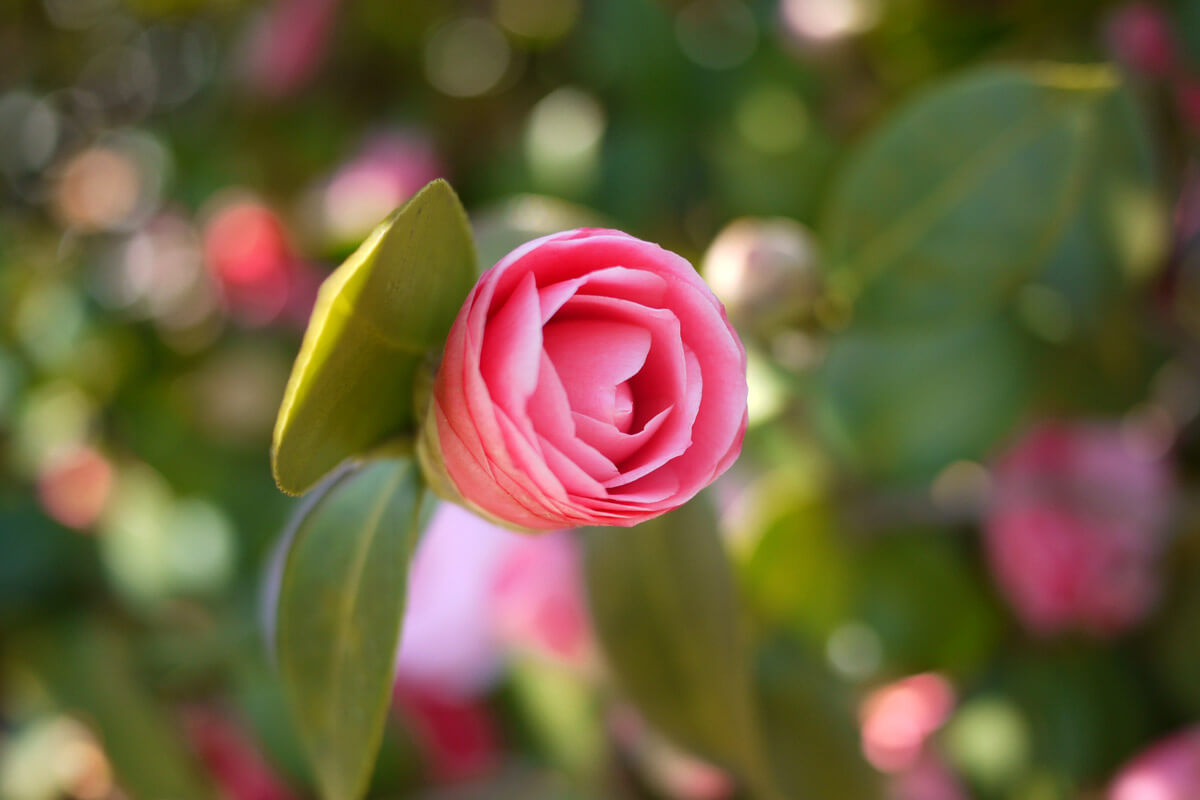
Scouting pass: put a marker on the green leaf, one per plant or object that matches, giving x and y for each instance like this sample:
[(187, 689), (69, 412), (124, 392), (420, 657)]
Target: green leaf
[(1009, 201), (904, 405), (341, 605), (665, 610), (89, 669), (967, 193), (378, 319), (809, 727)]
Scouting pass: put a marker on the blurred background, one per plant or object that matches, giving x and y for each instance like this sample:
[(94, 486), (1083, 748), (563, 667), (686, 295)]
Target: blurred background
[(987, 538)]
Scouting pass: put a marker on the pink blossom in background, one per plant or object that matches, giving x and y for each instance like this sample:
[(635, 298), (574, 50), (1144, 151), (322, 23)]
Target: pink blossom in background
[(286, 47), (590, 378), (457, 735), (1076, 526), (928, 779), (1187, 100), (449, 643), (74, 485), (1169, 770), (388, 169), (250, 259), (1140, 36), (898, 719), (538, 600), (232, 758)]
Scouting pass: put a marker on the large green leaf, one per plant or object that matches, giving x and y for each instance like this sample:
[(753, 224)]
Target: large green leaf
[(1008, 194), (341, 604), (809, 727), (966, 195), (665, 610), (906, 404), (378, 319)]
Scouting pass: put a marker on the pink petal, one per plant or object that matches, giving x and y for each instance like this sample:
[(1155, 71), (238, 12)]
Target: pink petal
[(550, 412), (512, 349), (615, 444), (592, 358)]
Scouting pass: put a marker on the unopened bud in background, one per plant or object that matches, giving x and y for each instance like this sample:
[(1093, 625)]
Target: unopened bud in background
[(765, 271)]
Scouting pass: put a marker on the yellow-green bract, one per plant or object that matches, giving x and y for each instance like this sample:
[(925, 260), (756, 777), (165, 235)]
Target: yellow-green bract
[(378, 319)]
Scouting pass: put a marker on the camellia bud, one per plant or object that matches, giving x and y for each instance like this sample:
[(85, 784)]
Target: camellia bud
[(590, 378), (765, 271)]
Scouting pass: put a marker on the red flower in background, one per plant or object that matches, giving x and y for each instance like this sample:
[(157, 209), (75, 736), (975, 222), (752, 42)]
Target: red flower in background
[(457, 734), (232, 757), (254, 265)]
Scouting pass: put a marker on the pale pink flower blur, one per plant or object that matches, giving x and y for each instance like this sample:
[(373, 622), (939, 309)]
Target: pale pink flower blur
[(74, 485), (1076, 527), (538, 599), (1168, 770), (389, 168), (286, 48), (898, 719), (928, 779), (477, 590), (448, 642)]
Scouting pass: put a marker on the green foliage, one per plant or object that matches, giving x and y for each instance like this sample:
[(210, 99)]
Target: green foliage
[(340, 608), (931, 609), (377, 321), (808, 722), (87, 665), (668, 617), (997, 181), (664, 606)]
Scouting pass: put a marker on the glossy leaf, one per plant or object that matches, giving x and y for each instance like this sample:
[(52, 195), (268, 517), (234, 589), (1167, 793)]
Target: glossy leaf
[(968, 193), (377, 320), (809, 727), (664, 607), (341, 605), (903, 406)]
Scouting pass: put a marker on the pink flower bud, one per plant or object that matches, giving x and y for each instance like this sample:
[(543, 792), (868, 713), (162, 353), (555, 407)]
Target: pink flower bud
[(1076, 526), (590, 378), (765, 271)]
